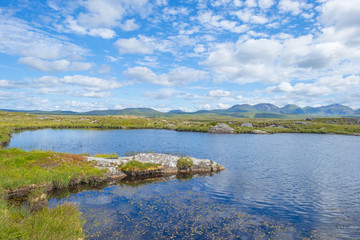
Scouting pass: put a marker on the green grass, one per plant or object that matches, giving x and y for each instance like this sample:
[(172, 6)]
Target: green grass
[(10, 122), (134, 165), (105, 155), (20, 168), (184, 163), (62, 222)]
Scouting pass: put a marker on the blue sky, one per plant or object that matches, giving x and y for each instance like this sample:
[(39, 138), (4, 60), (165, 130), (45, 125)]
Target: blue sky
[(110, 54)]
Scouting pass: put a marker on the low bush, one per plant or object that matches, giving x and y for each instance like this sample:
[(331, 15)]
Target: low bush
[(134, 165), (184, 163)]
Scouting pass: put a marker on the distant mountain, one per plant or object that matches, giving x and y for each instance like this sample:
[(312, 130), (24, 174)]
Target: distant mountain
[(241, 108), (41, 112), (262, 110), (177, 112), (330, 110), (267, 107), (292, 109), (143, 112)]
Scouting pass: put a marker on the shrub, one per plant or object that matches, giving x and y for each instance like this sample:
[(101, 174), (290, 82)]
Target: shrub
[(184, 163), (134, 165)]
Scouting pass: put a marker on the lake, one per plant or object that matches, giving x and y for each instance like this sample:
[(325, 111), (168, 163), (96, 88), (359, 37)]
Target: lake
[(285, 186)]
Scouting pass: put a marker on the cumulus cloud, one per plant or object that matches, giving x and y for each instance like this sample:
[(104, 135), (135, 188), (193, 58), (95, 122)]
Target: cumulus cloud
[(98, 17), (294, 7), (341, 18), (265, 4), (210, 20), (219, 93), (177, 76), (141, 45), (55, 65), (249, 16), (246, 61), (91, 82), (334, 85)]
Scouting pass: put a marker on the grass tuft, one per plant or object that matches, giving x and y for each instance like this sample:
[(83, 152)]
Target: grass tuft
[(62, 222), (134, 165), (184, 163), (106, 155)]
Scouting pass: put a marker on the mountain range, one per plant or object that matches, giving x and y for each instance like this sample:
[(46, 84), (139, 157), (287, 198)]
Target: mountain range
[(262, 110)]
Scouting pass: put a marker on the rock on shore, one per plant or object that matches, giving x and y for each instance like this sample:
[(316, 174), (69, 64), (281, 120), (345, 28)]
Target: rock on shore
[(221, 128), (168, 164)]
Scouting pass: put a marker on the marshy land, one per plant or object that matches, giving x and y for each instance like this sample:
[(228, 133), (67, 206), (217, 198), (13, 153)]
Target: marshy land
[(37, 171)]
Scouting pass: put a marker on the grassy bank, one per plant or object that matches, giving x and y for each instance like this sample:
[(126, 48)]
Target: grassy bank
[(42, 169), (10, 122), (20, 168), (62, 222)]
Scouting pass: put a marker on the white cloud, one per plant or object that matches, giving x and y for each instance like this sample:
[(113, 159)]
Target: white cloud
[(248, 16), (98, 18), (17, 37), (250, 3), (265, 4), (109, 13), (208, 19), (73, 26), (92, 83), (246, 61), (142, 45), (55, 65), (219, 93), (341, 19), (7, 84), (177, 76), (223, 105), (129, 25), (334, 85), (295, 7)]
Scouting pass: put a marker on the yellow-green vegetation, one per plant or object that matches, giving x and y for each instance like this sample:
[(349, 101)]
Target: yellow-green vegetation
[(62, 222), (106, 155), (134, 165), (184, 163), (20, 168), (10, 122)]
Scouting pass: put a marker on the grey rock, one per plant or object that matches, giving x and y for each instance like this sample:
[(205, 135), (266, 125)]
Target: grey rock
[(259, 132), (221, 128), (299, 122), (309, 119), (246, 124), (168, 164)]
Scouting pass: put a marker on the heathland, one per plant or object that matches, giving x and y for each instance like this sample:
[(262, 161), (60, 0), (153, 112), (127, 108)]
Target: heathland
[(21, 169)]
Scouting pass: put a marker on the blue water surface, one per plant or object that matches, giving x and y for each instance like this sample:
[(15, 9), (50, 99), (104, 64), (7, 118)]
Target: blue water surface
[(286, 186)]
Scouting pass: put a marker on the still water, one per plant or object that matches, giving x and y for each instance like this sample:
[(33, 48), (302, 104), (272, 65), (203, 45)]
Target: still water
[(281, 186)]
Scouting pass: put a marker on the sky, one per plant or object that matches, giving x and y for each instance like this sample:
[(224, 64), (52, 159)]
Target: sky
[(83, 55)]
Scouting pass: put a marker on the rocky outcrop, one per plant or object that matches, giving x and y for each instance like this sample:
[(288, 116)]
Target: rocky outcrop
[(259, 132), (221, 128), (167, 164), (246, 124)]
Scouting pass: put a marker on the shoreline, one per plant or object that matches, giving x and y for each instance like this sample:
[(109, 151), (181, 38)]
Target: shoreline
[(6, 142)]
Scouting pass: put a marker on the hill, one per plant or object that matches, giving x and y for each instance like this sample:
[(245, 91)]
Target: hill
[(262, 110)]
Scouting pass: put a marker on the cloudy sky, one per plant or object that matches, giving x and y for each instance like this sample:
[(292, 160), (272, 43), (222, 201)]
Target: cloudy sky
[(110, 54)]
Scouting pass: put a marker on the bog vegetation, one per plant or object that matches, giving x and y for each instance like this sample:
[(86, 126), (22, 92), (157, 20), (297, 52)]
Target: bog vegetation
[(21, 169)]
